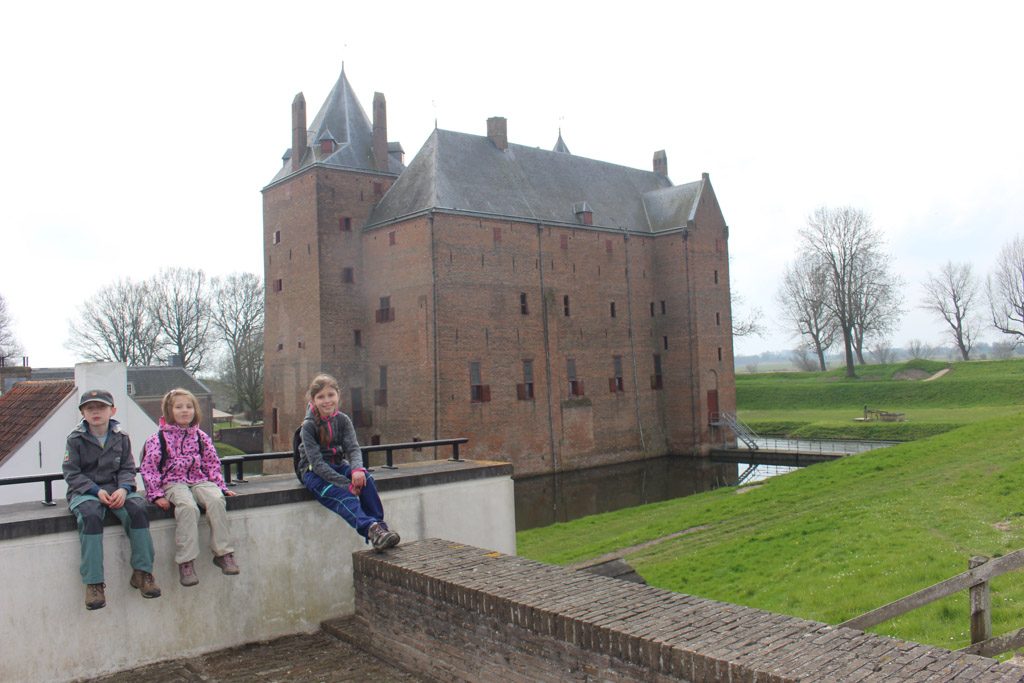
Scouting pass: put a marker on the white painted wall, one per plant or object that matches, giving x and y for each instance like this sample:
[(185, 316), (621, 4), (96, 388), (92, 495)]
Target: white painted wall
[(43, 452), (296, 562)]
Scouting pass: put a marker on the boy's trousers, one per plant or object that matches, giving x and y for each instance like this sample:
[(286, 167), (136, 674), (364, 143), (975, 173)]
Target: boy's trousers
[(90, 512)]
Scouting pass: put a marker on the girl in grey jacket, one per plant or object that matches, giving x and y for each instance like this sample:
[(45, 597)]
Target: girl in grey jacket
[(331, 466)]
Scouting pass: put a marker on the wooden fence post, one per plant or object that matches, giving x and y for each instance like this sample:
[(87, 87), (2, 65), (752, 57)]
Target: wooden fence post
[(981, 613)]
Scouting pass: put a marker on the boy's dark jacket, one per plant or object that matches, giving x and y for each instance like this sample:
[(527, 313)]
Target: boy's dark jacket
[(88, 467)]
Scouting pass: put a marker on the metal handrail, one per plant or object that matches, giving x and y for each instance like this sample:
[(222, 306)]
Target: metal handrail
[(240, 460)]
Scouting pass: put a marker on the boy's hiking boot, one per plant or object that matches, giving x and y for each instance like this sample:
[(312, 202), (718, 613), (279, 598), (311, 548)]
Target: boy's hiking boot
[(227, 563), (382, 537), (187, 573), (146, 584), (94, 596)]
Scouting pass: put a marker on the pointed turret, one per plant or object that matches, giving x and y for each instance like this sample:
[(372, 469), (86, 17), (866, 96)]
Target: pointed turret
[(560, 145)]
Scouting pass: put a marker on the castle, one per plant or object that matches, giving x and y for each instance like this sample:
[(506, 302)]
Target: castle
[(560, 312)]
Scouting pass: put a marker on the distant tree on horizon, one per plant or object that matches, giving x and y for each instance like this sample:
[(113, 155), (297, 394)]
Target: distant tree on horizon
[(952, 294), (863, 293), (1006, 291), (9, 346), (803, 296)]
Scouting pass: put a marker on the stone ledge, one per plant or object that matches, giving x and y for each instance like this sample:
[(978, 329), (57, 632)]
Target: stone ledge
[(492, 615), (22, 520)]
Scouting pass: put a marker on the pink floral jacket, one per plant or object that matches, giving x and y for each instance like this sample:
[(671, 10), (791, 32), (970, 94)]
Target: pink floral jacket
[(184, 465)]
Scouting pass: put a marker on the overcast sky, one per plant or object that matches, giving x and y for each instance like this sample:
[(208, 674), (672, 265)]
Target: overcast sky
[(139, 136)]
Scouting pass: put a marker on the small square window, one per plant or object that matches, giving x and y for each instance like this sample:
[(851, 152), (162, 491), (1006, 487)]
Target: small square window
[(664, 343), (565, 305), (347, 275), (716, 277), (611, 309), (391, 238), (357, 337), (652, 309), (663, 307), (718, 318), (277, 237), (524, 308), (278, 285), (719, 354), (345, 224)]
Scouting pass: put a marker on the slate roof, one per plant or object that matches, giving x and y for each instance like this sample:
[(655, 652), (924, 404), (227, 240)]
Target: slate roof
[(465, 173), (26, 407), (342, 118), (147, 381)]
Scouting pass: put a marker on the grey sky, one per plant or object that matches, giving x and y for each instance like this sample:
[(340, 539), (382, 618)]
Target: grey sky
[(138, 137)]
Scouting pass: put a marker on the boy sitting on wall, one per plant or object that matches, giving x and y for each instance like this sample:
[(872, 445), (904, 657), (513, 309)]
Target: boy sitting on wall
[(100, 471)]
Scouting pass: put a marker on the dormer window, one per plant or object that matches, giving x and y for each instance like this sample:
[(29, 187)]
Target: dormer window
[(327, 146), (584, 214)]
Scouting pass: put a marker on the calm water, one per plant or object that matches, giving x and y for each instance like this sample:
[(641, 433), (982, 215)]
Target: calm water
[(561, 497)]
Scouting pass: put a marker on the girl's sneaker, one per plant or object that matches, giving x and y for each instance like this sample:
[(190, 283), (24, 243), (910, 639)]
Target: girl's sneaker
[(382, 537), (187, 573), (227, 564)]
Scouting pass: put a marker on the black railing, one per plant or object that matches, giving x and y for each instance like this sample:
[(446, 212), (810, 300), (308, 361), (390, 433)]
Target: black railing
[(388, 449), (239, 462)]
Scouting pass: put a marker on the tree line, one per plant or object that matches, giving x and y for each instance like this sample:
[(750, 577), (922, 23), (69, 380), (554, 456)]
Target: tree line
[(841, 290), (180, 312)]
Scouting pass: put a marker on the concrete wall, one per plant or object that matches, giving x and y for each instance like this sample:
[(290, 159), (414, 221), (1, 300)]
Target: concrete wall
[(43, 452), (295, 556)]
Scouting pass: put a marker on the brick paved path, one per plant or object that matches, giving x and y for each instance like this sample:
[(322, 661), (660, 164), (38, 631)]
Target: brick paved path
[(312, 658)]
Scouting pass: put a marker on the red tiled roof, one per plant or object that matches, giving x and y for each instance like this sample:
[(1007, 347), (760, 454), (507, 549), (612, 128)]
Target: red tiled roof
[(25, 408)]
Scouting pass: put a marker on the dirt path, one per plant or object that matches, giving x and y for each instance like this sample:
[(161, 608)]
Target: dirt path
[(937, 375)]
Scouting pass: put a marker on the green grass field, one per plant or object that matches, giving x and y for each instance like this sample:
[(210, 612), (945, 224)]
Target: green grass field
[(838, 539), (824, 404)]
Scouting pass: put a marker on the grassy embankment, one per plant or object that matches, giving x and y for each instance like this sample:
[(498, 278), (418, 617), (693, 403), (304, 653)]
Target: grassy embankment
[(823, 404), (835, 540)]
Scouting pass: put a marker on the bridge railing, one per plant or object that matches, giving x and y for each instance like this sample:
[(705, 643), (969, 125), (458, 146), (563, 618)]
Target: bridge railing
[(976, 580), (239, 462)]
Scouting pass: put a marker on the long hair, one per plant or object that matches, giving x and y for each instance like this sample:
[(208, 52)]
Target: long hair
[(323, 427), (167, 406)]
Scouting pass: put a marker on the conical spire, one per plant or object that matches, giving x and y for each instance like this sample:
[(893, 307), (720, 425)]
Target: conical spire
[(560, 146)]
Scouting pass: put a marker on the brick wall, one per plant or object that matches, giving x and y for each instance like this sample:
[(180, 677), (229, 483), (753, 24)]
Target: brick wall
[(457, 287), (457, 613)]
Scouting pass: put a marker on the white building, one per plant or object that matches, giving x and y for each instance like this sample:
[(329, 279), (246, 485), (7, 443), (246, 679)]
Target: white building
[(36, 417)]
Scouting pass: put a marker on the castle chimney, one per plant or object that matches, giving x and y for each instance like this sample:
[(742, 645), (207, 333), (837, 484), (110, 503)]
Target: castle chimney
[(660, 163), (380, 132), (298, 131), (497, 131)]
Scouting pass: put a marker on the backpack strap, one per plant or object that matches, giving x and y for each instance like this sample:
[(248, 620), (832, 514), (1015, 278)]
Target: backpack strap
[(163, 449)]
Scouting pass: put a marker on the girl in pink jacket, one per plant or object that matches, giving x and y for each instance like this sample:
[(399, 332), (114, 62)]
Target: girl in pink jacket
[(181, 469)]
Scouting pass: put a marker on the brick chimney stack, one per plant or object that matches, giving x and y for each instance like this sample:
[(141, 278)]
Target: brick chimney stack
[(298, 131), (661, 163), (497, 131), (380, 132)]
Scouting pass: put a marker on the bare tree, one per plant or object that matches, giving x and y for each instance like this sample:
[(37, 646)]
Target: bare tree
[(952, 294), (115, 325), (180, 305), (918, 349), (882, 352), (238, 320), (877, 302), (9, 347), (1006, 291), (804, 360), (803, 297), (749, 324), (844, 241)]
